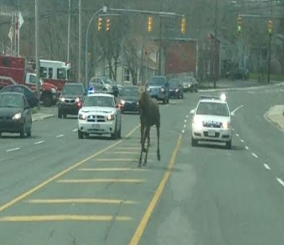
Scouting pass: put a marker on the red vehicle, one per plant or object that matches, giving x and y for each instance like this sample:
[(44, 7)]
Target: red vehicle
[(55, 72), (15, 69)]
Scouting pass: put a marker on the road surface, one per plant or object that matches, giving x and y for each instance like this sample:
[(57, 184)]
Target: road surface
[(57, 189)]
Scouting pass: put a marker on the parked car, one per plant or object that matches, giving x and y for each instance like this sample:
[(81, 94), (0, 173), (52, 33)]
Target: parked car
[(100, 115), (71, 99), (190, 84), (106, 83), (15, 114), (30, 95), (158, 87), (176, 89), (129, 97), (238, 73)]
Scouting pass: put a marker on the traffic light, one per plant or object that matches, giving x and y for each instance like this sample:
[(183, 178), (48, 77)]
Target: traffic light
[(270, 27), (239, 24), (183, 25), (150, 24), (100, 23), (108, 25)]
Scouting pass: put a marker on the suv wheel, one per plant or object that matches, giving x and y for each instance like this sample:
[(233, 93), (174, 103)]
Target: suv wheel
[(119, 132), (229, 144), (115, 134), (59, 113), (194, 142), (23, 131), (80, 134), (29, 132)]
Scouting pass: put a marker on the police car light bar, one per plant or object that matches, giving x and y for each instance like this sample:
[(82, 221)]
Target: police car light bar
[(222, 97)]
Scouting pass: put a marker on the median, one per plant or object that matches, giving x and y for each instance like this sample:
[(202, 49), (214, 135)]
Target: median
[(39, 115)]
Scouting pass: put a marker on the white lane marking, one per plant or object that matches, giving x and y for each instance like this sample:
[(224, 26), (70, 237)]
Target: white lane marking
[(186, 116), (251, 92), (254, 155), (266, 166), (242, 141), (247, 148), (185, 121), (233, 129), (60, 135), (183, 131), (234, 111), (184, 126), (281, 90), (237, 135), (14, 149), (280, 181), (75, 130), (39, 142)]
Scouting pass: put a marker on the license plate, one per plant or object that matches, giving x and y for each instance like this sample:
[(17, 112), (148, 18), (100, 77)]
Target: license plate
[(96, 126), (211, 133)]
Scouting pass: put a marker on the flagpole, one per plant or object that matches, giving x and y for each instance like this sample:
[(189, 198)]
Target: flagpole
[(15, 33), (18, 34), (12, 34)]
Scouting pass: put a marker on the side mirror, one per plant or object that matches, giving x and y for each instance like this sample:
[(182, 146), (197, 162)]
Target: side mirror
[(192, 112)]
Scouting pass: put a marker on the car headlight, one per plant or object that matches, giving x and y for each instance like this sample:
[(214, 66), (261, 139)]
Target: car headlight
[(177, 90), (17, 116), (122, 102), (110, 117), (162, 89), (62, 99), (226, 125), (53, 90), (77, 100), (82, 117), (198, 123), (223, 97)]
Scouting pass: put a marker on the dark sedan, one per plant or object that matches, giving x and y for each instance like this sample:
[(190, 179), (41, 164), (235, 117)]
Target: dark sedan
[(71, 99), (129, 97), (30, 95), (15, 114), (176, 89)]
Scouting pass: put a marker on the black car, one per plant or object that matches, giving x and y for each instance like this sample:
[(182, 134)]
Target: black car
[(30, 95), (129, 97), (190, 84), (71, 99), (176, 89), (15, 114), (238, 73)]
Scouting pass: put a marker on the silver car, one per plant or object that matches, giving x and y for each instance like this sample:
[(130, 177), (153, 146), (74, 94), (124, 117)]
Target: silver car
[(212, 122)]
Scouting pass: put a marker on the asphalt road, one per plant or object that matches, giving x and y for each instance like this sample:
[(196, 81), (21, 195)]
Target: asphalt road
[(57, 189)]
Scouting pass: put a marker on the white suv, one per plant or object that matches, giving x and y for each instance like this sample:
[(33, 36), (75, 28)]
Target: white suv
[(99, 115), (212, 122)]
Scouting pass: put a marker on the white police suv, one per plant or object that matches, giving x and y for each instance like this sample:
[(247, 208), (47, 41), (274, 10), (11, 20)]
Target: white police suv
[(99, 115), (212, 121)]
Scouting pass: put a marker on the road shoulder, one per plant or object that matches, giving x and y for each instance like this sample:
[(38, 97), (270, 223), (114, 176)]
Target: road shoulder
[(275, 115)]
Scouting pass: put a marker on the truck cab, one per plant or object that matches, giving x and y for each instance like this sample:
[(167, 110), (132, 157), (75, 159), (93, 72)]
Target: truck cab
[(55, 72)]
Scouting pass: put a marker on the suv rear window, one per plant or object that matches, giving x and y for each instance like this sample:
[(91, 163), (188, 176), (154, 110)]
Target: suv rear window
[(157, 81), (212, 108), (72, 90)]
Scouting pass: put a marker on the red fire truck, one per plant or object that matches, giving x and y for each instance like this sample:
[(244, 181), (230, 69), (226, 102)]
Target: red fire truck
[(14, 69)]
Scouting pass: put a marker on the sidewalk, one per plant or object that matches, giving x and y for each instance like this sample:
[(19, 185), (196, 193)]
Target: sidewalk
[(275, 115), (43, 114), (227, 85)]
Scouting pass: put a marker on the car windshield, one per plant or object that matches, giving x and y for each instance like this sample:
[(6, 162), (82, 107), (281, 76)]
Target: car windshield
[(157, 81), (174, 83), (100, 101), (72, 90), (212, 108), (133, 92), (11, 100)]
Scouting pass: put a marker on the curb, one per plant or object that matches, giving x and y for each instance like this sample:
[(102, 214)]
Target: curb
[(274, 123), (42, 117), (242, 89)]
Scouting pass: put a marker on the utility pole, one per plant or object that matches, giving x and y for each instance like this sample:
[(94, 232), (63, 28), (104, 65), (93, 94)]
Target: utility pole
[(36, 49), (215, 72), (160, 47), (69, 26), (80, 43), (269, 47)]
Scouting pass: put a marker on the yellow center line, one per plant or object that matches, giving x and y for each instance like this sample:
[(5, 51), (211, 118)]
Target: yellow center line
[(43, 184), (80, 200), (112, 169), (101, 181), (147, 215), (64, 218)]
